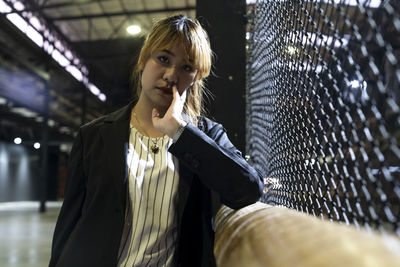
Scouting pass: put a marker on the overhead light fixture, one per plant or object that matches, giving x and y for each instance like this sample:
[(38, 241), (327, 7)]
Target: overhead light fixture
[(94, 89), (60, 58), (65, 130), (36, 145), (133, 29), (24, 112), (102, 97), (17, 140), (51, 123), (65, 148)]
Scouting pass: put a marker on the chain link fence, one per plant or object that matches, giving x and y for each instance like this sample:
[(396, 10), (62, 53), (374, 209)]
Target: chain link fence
[(323, 107)]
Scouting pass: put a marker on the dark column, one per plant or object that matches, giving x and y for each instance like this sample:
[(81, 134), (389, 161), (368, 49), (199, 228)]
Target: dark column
[(225, 23), (83, 114), (44, 144)]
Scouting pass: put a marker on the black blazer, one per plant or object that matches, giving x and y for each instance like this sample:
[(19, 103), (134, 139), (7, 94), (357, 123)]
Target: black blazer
[(91, 220)]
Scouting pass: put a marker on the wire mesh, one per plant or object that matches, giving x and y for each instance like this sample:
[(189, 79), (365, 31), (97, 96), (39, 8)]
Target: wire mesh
[(323, 107)]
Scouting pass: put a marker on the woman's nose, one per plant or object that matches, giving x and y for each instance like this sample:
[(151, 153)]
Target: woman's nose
[(170, 75)]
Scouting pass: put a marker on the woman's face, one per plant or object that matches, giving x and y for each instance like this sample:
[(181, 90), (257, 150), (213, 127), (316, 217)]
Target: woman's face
[(164, 69)]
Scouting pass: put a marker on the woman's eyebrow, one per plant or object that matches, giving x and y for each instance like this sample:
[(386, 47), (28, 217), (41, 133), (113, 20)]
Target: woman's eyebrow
[(168, 52)]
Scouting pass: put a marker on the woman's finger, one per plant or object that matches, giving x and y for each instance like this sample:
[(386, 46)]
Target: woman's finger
[(175, 92), (183, 96)]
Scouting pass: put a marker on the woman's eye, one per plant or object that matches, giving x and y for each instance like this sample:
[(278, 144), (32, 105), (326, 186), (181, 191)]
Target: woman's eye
[(163, 59)]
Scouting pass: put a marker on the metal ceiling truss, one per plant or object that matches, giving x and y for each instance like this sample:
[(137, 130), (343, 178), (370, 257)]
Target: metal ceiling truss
[(122, 13), (39, 7)]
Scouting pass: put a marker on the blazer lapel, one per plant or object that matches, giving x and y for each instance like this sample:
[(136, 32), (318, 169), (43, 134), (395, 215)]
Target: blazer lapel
[(115, 134)]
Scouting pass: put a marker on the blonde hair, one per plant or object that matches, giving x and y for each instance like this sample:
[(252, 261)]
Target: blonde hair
[(168, 33)]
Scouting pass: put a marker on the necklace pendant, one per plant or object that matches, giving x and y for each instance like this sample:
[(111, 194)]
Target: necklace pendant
[(154, 148)]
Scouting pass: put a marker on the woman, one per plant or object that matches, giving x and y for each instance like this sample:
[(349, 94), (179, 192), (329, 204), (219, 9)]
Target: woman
[(145, 181)]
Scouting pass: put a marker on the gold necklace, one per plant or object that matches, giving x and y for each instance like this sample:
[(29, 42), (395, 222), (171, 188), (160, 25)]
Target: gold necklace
[(154, 148)]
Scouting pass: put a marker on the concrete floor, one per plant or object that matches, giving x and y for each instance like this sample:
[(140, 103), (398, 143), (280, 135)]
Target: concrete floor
[(25, 234)]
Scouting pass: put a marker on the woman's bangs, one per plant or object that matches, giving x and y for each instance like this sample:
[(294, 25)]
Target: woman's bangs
[(192, 50)]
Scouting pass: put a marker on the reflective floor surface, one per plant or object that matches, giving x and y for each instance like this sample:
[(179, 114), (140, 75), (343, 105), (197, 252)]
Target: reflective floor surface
[(25, 234)]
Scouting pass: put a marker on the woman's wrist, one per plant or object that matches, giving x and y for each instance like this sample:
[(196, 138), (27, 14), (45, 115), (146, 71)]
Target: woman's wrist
[(179, 131), (172, 127)]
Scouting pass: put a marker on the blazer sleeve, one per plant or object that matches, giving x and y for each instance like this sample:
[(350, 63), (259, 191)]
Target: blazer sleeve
[(74, 196), (218, 164)]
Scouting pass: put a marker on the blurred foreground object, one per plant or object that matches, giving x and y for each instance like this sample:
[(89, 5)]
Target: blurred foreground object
[(264, 235)]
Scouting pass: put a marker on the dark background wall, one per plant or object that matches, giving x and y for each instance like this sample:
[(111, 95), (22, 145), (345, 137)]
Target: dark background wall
[(225, 23), (19, 170), (20, 173)]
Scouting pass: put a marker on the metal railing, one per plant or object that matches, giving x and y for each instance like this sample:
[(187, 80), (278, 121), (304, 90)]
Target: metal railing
[(264, 235)]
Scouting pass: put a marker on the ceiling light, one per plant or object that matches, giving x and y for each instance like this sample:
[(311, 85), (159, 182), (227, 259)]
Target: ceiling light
[(94, 89), (74, 71), (133, 29), (51, 123), (64, 129), (65, 148), (17, 140), (24, 112), (35, 36), (19, 6), (60, 58), (36, 145), (36, 23), (102, 97), (4, 8), (18, 21)]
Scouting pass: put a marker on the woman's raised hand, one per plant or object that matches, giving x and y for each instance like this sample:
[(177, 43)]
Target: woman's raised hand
[(171, 120)]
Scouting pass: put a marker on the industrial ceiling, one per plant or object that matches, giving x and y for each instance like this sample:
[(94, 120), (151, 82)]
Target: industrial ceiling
[(91, 36)]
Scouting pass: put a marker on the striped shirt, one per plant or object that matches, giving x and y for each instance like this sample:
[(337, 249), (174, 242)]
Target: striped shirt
[(151, 219)]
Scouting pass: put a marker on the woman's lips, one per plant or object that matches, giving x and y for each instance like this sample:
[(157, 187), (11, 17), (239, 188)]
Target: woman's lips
[(166, 90)]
